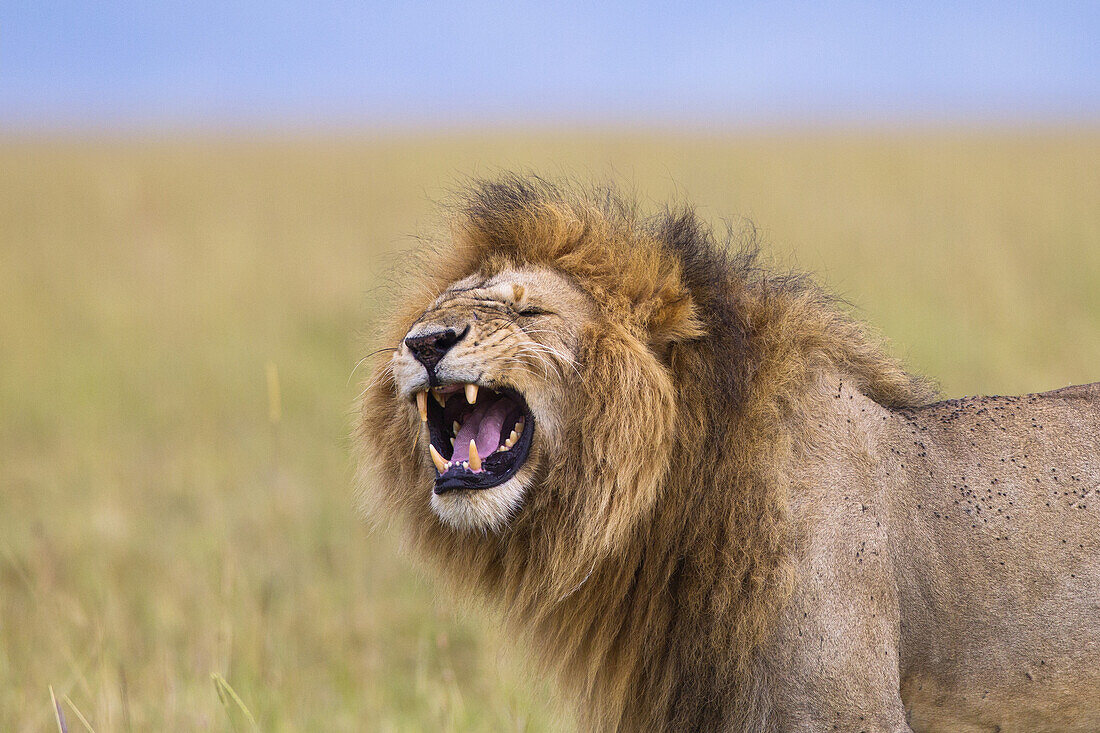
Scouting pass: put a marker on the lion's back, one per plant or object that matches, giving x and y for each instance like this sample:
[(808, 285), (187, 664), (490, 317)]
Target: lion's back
[(1003, 498), (1090, 393)]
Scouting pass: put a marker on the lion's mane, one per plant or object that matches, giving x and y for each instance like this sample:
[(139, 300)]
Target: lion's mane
[(647, 578)]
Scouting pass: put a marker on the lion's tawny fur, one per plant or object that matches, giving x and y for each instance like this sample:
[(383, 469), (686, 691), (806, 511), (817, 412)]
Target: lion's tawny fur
[(651, 580)]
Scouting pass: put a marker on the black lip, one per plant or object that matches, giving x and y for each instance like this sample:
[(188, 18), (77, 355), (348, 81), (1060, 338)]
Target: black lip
[(496, 468)]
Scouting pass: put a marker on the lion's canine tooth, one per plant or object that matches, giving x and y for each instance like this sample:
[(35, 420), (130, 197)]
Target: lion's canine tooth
[(455, 427), (475, 459), (471, 393), (452, 442), (441, 464), (439, 398), (422, 405)]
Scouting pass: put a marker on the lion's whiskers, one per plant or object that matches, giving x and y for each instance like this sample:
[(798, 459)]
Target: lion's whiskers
[(360, 362), (535, 346), (543, 361), (383, 375)]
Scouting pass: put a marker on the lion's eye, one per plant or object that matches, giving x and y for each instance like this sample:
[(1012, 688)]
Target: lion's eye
[(530, 311)]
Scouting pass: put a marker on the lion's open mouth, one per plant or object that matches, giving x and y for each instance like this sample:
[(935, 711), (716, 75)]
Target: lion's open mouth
[(479, 437)]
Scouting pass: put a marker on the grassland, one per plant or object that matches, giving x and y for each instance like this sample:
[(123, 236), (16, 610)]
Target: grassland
[(161, 521)]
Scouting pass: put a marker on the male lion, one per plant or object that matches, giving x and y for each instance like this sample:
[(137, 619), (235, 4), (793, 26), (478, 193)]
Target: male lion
[(714, 502)]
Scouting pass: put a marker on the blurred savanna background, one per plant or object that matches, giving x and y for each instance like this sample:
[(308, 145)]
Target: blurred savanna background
[(200, 208)]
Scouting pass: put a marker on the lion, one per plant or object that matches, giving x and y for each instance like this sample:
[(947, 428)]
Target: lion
[(708, 497)]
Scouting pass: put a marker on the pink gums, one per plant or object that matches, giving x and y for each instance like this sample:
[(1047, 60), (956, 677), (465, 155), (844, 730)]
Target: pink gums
[(483, 427)]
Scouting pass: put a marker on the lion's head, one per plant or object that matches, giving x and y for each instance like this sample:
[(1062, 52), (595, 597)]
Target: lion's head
[(620, 392), (488, 371), (535, 371)]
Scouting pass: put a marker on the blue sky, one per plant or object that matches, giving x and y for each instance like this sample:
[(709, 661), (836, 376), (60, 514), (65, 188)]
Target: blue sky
[(272, 63)]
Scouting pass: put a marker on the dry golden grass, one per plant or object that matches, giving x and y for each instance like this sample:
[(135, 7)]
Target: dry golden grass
[(175, 554)]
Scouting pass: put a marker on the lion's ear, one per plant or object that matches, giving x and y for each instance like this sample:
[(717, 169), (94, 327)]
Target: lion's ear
[(674, 321), (623, 428)]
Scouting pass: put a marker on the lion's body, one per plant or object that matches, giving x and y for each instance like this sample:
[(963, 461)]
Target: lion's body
[(740, 514), (950, 553)]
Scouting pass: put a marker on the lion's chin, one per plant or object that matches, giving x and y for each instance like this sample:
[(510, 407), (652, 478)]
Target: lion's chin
[(482, 510)]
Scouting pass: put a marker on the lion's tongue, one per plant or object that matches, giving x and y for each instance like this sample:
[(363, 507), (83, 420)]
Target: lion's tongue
[(482, 426)]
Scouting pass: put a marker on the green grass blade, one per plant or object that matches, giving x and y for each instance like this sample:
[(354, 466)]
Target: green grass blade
[(226, 693)]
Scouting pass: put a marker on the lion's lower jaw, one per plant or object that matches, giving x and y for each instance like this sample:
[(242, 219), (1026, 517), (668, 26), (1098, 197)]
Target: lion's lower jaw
[(484, 510)]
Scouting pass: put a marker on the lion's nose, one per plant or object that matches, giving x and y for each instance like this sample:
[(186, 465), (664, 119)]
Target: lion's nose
[(429, 348)]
